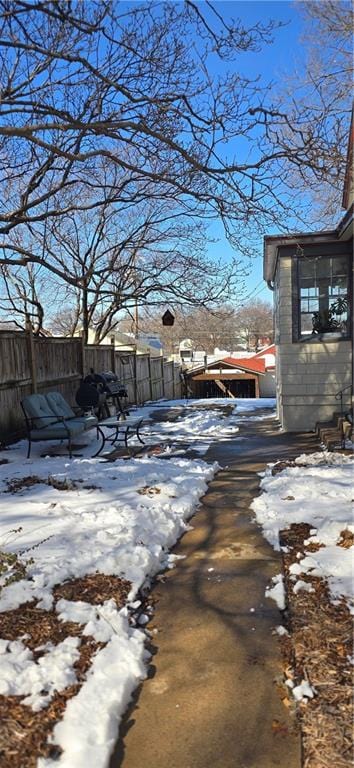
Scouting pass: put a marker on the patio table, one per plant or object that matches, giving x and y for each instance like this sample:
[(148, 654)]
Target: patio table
[(120, 430)]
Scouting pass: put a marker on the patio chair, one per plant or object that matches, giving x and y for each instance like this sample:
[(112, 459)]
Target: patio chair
[(62, 409)]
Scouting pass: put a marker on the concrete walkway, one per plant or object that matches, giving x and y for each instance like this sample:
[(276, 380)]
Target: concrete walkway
[(211, 699)]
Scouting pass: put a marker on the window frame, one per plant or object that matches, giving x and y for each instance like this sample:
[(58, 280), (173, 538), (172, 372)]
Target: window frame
[(327, 336)]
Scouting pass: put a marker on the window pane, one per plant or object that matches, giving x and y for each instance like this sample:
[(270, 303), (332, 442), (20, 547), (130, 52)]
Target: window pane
[(307, 269), (339, 286), (308, 289), (313, 305), (323, 268), (340, 265), (323, 288), (306, 323)]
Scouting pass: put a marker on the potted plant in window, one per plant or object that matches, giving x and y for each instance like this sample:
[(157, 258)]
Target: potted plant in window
[(325, 320)]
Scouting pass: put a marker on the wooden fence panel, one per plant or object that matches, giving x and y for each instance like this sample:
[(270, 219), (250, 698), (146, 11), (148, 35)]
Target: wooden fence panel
[(125, 370), (143, 378), (14, 360), (124, 365), (57, 359), (178, 386), (98, 357), (157, 388), (169, 380), (59, 364)]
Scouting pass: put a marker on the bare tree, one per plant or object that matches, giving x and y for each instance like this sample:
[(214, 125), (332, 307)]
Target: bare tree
[(91, 86), (254, 321), (114, 258), (206, 329), (65, 321), (319, 99), (228, 328), (20, 297), (110, 114)]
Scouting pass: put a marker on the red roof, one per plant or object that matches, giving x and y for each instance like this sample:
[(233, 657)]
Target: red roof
[(266, 351), (256, 365)]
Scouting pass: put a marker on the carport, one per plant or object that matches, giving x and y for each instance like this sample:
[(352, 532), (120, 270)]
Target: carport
[(227, 378)]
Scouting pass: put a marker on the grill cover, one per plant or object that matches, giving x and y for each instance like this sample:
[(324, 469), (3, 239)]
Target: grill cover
[(105, 382)]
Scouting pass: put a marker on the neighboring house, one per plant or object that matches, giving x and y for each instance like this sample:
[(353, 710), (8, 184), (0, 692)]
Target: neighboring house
[(125, 342), (267, 383), (264, 341), (189, 355), (235, 377), (187, 352), (312, 278)]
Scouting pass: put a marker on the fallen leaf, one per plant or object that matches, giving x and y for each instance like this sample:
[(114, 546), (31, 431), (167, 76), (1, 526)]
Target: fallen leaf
[(279, 728)]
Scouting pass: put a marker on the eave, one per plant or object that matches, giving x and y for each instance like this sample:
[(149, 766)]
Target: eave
[(273, 242)]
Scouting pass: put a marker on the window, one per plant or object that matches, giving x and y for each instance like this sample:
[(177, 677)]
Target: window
[(323, 295)]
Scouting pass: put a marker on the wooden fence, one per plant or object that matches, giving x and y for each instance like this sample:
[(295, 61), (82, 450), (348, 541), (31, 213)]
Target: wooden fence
[(28, 364)]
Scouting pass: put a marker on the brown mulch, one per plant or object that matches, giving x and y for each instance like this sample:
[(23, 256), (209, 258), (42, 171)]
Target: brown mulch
[(318, 650), (149, 490), (16, 485), (347, 539), (94, 588), (38, 626), (23, 733), (279, 466)]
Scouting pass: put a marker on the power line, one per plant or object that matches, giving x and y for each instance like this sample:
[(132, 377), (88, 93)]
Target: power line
[(253, 290), (256, 294)]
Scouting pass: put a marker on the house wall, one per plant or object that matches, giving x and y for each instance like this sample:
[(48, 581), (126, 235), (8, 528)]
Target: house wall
[(267, 386), (308, 374)]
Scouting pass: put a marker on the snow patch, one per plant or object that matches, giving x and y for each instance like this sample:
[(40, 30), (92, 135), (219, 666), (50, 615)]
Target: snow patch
[(277, 592), (303, 691), (321, 485), (38, 680)]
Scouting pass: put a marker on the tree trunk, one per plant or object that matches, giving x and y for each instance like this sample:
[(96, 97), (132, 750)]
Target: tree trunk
[(85, 314)]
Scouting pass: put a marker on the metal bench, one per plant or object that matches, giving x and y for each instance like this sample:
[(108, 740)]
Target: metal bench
[(50, 417)]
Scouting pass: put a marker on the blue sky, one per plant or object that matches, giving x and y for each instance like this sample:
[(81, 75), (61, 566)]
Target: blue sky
[(272, 63)]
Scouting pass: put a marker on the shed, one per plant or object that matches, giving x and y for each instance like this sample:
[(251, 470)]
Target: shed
[(228, 377)]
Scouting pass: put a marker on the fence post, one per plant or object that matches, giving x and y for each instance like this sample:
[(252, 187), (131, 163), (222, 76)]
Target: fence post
[(31, 355), (163, 377), (150, 378), (82, 355), (135, 379), (113, 355)]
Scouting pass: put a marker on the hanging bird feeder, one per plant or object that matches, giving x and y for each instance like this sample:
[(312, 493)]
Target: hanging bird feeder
[(168, 318)]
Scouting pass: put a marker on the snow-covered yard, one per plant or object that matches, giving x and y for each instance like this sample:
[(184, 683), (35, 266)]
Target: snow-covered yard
[(308, 504), (66, 519), (71, 521), (317, 490)]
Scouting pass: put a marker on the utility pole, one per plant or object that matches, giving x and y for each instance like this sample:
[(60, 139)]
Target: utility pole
[(136, 309)]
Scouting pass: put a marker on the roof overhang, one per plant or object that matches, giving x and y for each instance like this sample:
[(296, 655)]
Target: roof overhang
[(221, 367), (272, 243), (345, 226), (225, 376)]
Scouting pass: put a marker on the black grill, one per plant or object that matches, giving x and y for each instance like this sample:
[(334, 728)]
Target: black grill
[(97, 388), (110, 384)]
